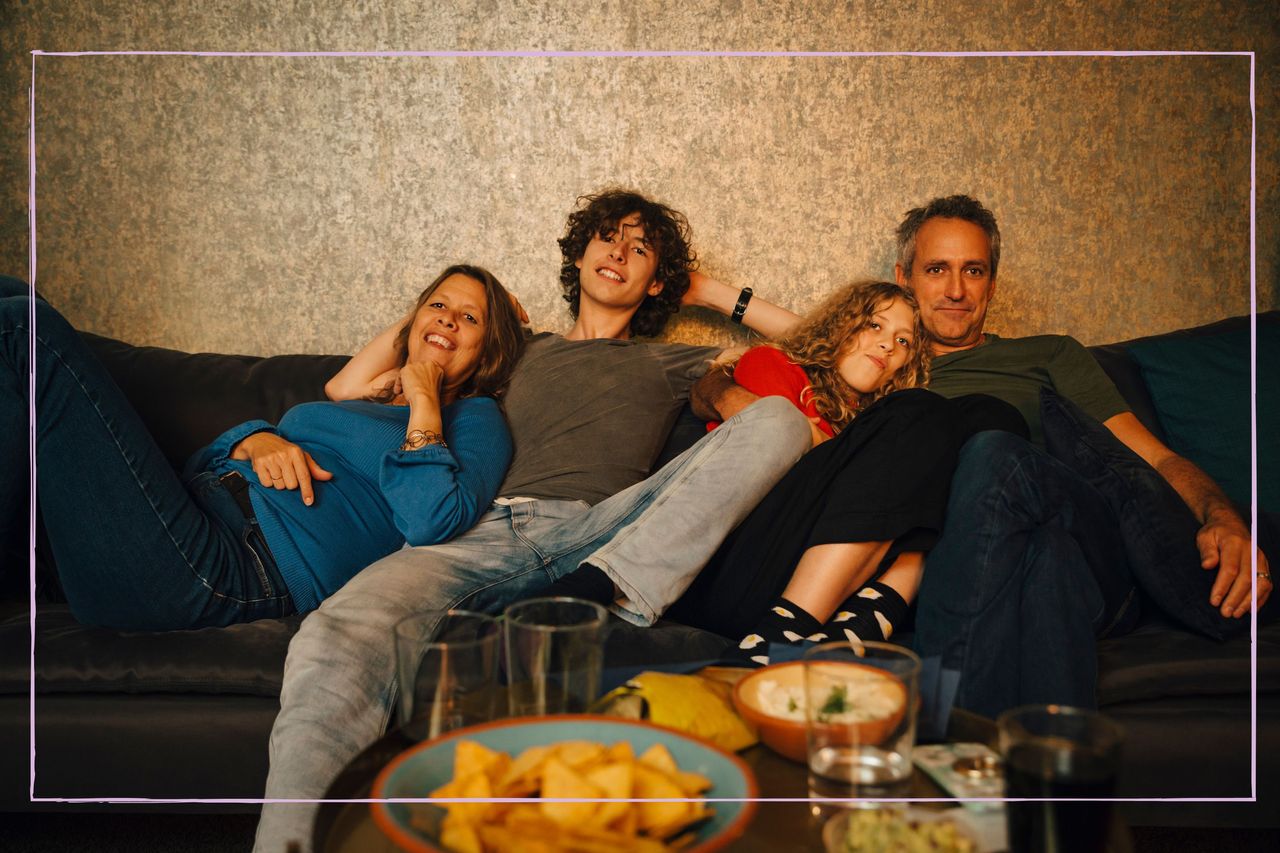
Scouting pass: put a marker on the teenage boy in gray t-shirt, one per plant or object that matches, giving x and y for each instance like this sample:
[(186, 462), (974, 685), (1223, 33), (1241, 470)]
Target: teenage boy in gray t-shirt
[(589, 412)]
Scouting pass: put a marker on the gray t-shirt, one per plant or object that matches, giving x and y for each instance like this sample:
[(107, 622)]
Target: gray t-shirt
[(588, 418), (1015, 369)]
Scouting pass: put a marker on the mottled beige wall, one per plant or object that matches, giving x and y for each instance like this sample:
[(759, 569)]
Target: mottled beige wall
[(287, 204)]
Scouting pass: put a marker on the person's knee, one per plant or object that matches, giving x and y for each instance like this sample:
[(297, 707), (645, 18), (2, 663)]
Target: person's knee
[(990, 456), (10, 286), (16, 313), (975, 413), (788, 427)]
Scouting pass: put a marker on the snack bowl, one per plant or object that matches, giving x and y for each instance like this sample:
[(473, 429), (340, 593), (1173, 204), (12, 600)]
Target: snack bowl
[(883, 826), (759, 698), (416, 772)]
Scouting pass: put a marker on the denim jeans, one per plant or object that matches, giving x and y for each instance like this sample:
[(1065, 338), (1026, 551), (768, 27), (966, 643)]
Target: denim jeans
[(652, 538), (1029, 571), (136, 548)]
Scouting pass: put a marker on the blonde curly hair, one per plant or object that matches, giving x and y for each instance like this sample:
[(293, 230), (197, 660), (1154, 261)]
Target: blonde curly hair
[(818, 342)]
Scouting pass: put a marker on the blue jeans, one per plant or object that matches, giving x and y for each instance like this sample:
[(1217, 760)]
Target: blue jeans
[(136, 548), (1029, 571), (652, 539)]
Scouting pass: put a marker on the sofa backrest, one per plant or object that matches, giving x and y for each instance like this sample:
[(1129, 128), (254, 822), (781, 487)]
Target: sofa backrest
[(188, 399), (1191, 388)]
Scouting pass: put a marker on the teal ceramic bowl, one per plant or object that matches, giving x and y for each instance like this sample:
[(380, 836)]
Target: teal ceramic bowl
[(417, 771)]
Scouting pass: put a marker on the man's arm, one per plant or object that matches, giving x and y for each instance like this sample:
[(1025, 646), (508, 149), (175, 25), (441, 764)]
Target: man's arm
[(761, 316), (716, 397), (1223, 539)]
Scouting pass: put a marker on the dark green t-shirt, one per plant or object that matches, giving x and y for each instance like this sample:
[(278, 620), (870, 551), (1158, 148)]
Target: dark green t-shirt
[(1015, 369), (588, 418)]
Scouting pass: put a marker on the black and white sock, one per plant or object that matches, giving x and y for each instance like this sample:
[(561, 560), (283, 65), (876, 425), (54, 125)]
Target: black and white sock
[(869, 614), (784, 622)]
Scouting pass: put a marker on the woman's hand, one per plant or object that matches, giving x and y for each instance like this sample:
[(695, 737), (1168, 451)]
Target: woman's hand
[(280, 463), (421, 381)]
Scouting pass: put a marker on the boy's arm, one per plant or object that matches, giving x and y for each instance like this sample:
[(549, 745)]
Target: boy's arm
[(761, 316)]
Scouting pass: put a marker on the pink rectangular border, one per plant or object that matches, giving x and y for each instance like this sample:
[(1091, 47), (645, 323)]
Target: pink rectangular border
[(1253, 310)]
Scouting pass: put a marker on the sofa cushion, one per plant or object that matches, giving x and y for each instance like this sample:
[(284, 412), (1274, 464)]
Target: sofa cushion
[(1158, 529), (1158, 660), (245, 659), (1200, 385), (188, 399)]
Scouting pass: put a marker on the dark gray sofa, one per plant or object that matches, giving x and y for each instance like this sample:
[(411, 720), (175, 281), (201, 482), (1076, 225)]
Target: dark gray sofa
[(186, 715)]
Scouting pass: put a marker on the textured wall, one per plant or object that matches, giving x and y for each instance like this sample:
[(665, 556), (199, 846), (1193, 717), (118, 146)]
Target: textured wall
[(278, 205)]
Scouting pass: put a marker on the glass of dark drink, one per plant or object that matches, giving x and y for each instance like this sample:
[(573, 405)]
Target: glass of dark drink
[(1060, 763)]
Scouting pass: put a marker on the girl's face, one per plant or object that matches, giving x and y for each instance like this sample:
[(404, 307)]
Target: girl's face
[(874, 355), (449, 328)]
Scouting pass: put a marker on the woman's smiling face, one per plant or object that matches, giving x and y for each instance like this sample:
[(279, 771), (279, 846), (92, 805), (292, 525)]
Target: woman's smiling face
[(449, 328)]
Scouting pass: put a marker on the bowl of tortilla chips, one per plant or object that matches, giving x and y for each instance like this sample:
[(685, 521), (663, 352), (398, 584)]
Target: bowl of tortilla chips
[(575, 782)]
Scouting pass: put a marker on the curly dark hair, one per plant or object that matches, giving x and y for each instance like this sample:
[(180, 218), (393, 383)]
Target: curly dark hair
[(951, 207), (666, 230)]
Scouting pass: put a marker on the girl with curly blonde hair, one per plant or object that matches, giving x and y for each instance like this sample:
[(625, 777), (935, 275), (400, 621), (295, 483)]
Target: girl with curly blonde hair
[(836, 549)]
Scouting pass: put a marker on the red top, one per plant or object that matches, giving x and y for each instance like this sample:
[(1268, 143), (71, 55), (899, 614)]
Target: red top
[(767, 372)]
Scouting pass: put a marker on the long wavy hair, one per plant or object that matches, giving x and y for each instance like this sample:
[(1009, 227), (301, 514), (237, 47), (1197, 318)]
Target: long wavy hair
[(668, 233), (818, 342), (500, 349)]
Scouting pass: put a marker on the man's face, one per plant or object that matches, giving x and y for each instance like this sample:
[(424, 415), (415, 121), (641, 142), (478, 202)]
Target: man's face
[(952, 281), (617, 267)]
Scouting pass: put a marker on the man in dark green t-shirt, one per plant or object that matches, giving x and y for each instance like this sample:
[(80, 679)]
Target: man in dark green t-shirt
[(1027, 548)]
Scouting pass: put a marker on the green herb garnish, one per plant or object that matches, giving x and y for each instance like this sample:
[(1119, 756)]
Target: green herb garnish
[(837, 702)]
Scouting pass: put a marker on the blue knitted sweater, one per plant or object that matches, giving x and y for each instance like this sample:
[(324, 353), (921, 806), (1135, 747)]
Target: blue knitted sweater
[(379, 498)]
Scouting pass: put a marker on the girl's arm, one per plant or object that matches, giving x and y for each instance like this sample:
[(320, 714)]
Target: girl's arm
[(370, 370)]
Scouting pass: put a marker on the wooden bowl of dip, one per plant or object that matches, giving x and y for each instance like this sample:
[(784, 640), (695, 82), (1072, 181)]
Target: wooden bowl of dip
[(771, 699)]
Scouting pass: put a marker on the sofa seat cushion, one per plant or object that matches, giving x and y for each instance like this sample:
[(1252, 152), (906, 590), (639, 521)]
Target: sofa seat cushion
[(243, 659), (1159, 660)]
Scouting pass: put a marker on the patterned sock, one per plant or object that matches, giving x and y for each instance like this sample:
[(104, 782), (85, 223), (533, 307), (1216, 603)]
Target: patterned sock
[(784, 622), (586, 581), (869, 614)]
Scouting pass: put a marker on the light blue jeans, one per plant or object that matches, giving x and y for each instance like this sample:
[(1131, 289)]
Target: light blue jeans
[(652, 539)]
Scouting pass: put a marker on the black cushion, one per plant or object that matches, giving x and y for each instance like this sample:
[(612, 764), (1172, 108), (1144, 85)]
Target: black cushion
[(188, 399), (246, 659)]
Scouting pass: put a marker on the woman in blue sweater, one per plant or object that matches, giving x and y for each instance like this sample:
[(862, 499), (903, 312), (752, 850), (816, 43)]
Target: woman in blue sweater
[(266, 520)]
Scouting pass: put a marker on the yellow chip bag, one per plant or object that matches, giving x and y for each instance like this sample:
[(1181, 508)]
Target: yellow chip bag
[(689, 703)]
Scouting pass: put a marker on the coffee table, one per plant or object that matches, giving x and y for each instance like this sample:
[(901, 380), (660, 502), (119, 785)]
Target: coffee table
[(349, 827)]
